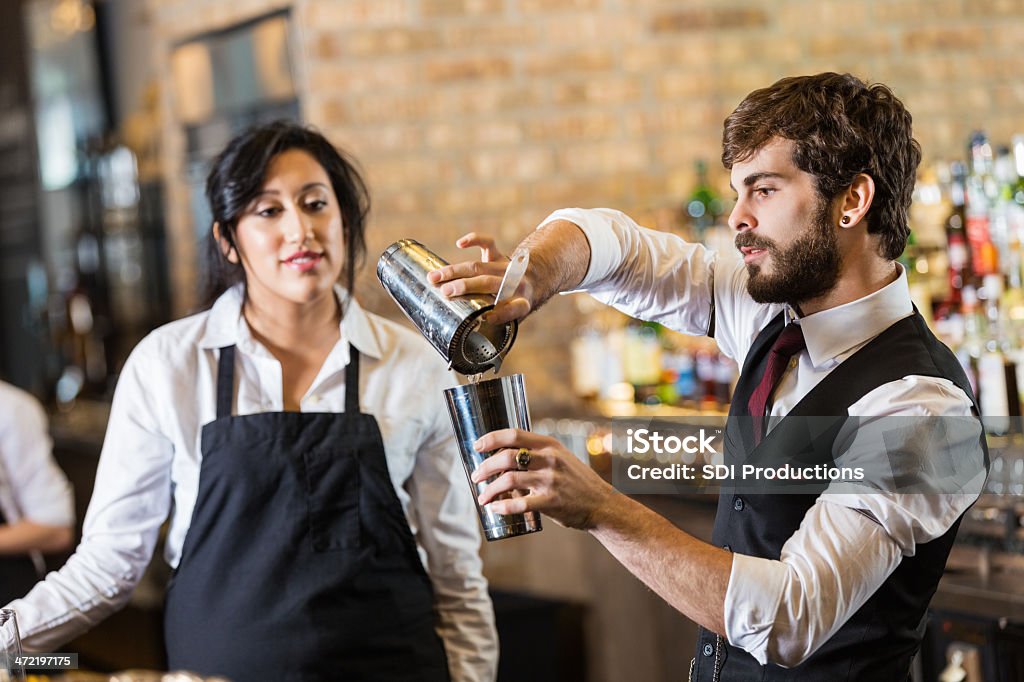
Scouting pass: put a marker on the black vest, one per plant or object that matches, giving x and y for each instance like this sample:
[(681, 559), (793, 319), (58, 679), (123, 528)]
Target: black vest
[(880, 639)]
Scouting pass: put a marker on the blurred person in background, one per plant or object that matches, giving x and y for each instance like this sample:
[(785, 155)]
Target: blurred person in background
[(810, 587), (37, 510), (321, 527)]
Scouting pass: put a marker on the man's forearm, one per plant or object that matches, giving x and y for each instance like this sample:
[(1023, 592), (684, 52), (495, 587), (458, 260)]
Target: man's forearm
[(692, 576), (559, 258)]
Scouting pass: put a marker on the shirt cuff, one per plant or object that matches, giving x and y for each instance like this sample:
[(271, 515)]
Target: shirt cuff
[(751, 603), (605, 250)]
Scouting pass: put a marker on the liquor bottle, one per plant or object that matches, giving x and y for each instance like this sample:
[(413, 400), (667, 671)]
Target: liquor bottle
[(1012, 303), (1012, 199), (931, 206), (725, 375), (956, 235), (915, 263), (982, 190), (1011, 210), (587, 353), (707, 380), (972, 345), (704, 207), (677, 374), (686, 380), (641, 361), (929, 213), (993, 368), (1018, 162)]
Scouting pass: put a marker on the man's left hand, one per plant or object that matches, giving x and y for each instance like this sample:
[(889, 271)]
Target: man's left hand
[(557, 482)]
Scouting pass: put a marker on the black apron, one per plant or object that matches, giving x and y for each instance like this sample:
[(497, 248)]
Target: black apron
[(17, 574), (299, 563)]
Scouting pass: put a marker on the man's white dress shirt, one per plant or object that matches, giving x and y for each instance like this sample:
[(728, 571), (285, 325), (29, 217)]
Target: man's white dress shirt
[(848, 543)]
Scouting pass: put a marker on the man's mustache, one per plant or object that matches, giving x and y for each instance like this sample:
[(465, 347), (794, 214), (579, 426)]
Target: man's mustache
[(750, 240)]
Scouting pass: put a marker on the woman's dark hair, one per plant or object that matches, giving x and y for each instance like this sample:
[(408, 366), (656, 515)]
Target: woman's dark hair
[(841, 126), (238, 174)]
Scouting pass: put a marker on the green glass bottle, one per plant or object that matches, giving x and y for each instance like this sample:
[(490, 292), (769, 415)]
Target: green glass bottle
[(704, 207)]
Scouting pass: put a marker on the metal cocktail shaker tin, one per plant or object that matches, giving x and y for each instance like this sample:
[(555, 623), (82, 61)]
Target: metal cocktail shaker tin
[(477, 409), (451, 325)]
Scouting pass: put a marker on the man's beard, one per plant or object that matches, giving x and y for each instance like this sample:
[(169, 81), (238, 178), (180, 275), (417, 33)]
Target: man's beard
[(806, 269)]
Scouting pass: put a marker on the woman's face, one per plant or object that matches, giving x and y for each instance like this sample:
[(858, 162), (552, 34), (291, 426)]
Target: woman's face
[(289, 238)]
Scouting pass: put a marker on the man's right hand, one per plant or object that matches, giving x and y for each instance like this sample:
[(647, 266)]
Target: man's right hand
[(484, 277)]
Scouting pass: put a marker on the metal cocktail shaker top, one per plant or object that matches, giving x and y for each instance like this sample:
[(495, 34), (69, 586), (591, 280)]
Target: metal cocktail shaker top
[(451, 325)]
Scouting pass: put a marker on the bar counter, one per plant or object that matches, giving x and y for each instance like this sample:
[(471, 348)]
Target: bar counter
[(968, 587)]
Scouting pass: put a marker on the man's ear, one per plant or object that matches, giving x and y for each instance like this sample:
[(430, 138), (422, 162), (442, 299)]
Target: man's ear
[(856, 200), (226, 248)]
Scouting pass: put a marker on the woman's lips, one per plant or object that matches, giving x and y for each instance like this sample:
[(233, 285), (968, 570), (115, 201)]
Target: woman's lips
[(304, 261)]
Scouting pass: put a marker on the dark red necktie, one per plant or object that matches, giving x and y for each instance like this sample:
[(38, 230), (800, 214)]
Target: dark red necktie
[(789, 343)]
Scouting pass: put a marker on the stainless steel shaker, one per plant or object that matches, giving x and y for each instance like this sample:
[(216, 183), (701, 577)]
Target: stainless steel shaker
[(477, 409), (10, 647), (451, 325)]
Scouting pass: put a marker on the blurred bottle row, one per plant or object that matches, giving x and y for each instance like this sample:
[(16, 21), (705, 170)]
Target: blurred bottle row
[(965, 264), (965, 268), (648, 364)]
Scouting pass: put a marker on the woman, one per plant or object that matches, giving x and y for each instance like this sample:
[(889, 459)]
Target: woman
[(321, 526)]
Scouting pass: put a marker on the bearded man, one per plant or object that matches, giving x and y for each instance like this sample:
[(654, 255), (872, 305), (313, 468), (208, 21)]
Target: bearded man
[(826, 586)]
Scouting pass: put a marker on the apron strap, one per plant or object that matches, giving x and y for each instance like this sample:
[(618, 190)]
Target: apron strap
[(225, 381), (352, 381)]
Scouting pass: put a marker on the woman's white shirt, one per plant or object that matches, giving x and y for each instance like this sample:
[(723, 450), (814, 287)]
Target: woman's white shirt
[(150, 462)]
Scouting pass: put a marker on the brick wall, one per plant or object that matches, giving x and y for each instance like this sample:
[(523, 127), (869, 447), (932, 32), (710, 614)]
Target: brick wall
[(488, 114)]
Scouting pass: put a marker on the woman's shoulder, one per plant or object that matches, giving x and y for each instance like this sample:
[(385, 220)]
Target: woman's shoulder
[(175, 340), (400, 343)]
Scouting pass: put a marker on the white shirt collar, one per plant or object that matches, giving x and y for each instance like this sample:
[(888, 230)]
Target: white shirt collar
[(226, 326), (831, 333)]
